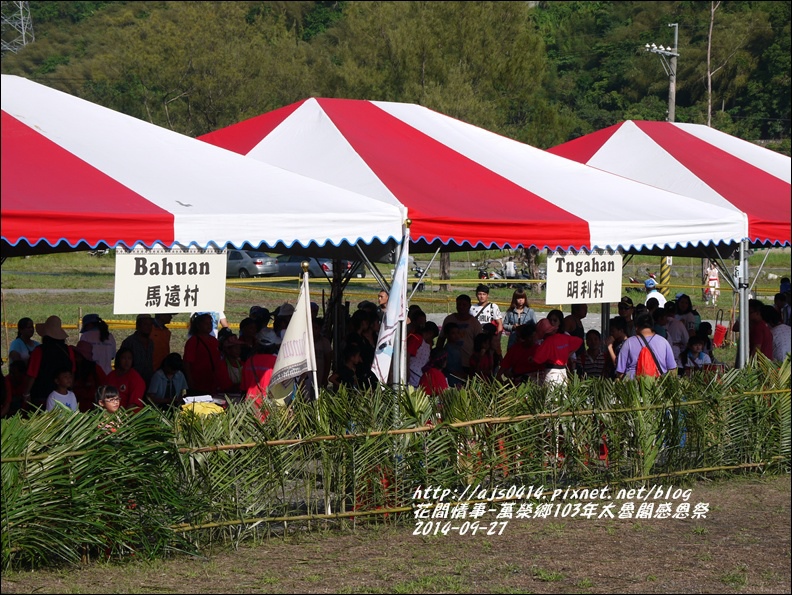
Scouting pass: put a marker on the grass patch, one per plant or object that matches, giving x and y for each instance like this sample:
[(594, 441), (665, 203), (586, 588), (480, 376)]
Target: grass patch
[(547, 576), (737, 578), (555, 528), (431, 584)]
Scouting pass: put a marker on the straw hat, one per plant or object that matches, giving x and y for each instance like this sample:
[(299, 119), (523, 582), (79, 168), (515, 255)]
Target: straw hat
[(53, 328)]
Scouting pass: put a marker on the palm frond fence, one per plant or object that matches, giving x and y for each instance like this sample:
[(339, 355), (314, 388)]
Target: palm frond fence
[(159, 484)]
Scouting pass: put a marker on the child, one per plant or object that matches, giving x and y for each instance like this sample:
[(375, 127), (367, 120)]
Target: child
[(15, 385), (168, 383), (420, 359), (694, 356), (107, 398), (348, 375), (705, 331), (593, 356), (482, 359), (62, 393), (433, 380)]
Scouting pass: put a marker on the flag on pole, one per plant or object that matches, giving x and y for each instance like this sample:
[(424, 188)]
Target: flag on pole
[(296, 355), (395, 312)]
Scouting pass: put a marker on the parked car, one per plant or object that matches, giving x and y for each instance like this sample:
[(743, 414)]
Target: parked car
[(359, 268), (289, 266), (249, 263)]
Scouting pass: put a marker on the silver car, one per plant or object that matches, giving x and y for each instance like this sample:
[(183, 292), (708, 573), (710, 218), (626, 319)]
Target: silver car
[(289, 265), (249, 263)]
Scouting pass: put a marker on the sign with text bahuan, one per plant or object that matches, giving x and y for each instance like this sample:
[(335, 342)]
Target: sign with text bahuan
[(584, 278), (148, 281)]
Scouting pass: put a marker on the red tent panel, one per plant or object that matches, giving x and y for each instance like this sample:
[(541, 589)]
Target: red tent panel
[(97, 207)]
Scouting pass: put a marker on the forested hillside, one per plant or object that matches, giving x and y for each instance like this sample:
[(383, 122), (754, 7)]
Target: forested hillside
[(539, 72)]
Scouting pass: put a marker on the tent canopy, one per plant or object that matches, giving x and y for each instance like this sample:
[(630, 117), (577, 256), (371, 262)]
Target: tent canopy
[(467, 187), (76, 175), (699, 162)]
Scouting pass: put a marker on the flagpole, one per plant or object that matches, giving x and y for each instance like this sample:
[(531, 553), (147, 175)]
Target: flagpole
[(311, 350), (389, 354), (403, 372)]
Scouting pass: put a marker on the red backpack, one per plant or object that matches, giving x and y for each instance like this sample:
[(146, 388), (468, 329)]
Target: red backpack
[(647, 364)]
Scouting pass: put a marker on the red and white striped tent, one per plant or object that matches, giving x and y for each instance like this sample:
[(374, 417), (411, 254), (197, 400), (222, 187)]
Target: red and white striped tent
[(708, 166), (699, 162), (76, 175), (465, 186)]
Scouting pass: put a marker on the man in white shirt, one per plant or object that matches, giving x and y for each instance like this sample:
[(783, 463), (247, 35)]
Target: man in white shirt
[(486, 311), (651, 292)]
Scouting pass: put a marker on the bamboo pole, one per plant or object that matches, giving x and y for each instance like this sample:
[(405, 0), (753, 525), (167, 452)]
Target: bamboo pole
[(417, 429)]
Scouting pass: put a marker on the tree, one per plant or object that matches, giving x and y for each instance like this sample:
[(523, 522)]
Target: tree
[(480, 62)]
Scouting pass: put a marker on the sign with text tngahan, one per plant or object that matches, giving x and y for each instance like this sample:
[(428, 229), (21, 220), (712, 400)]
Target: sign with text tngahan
[(169, 281), (584, 278)]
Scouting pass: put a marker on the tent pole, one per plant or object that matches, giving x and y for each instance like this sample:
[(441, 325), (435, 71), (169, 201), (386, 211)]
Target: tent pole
[(383, 283), (742, 278), (420, 279), (605, 320), (759, 270)]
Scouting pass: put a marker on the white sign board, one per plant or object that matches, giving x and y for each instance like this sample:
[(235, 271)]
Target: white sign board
[(169, 281), (584, 278)]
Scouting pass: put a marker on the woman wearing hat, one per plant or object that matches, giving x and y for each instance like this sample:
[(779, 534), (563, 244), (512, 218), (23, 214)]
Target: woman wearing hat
[(651, 292), (52, 355)]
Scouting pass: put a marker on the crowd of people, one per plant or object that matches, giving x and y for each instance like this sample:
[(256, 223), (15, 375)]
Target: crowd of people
[(147, 369), (548, 350)]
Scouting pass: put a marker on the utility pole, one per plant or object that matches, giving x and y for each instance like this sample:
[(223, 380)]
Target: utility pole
[(668, 57)]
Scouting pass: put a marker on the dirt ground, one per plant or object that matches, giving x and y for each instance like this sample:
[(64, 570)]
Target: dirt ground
[(742, 546)]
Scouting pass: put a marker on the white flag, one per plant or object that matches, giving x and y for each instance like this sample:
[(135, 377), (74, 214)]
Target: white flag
[(296, 355), (395, 312)]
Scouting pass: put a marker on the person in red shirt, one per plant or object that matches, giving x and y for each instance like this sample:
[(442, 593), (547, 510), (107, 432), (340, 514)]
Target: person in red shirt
[(482, 360), (254, 371), (130, 384), (202, 359), (88, 376), (554, 351), (518, 363), (760, 336)]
